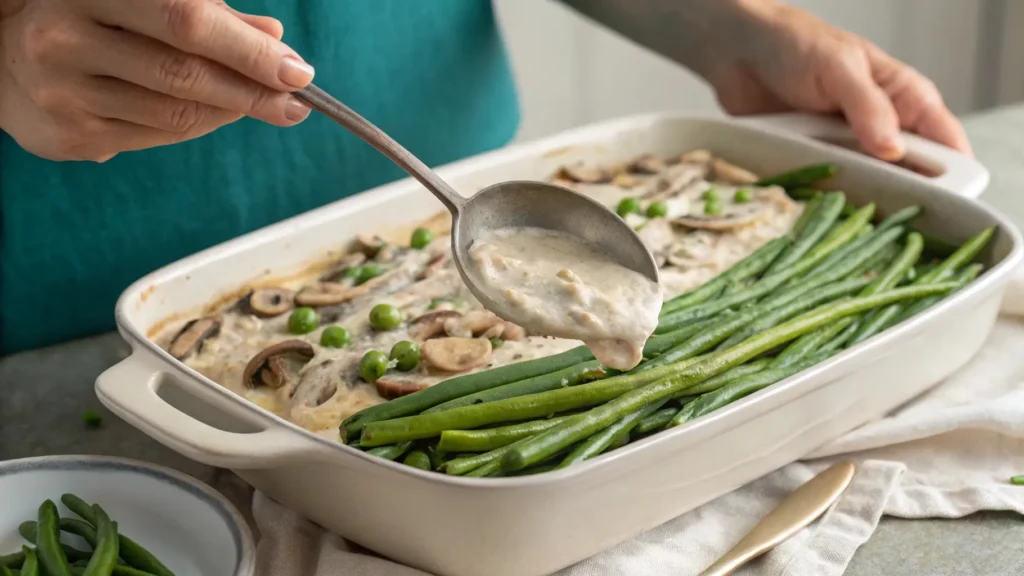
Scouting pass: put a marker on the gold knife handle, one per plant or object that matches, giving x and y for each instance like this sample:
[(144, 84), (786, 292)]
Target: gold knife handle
[(802, 507)]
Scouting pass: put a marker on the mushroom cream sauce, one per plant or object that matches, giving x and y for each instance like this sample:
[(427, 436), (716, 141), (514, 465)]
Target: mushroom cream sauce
[(706, 216)]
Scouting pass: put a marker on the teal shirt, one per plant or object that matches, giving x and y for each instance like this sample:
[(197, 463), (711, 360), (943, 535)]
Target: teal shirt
[(73, 235)]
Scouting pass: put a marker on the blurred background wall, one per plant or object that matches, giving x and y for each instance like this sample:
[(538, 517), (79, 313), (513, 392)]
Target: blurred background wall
[(573, 72)]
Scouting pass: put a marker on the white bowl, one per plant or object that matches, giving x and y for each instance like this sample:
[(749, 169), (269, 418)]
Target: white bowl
[(190, 527)]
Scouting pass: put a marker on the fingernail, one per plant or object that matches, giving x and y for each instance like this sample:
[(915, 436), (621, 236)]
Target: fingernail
[(891, 149), (295, 110), (295, 72)]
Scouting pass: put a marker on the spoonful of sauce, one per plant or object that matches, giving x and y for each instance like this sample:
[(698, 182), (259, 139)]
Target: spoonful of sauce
[(538, 255)]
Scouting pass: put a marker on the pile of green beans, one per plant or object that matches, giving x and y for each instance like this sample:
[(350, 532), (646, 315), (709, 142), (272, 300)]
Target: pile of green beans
[(835, 280), (112, 552)]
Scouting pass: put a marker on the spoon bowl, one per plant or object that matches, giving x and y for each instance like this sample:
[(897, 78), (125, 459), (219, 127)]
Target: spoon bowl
[(515, 204), (530, 204)]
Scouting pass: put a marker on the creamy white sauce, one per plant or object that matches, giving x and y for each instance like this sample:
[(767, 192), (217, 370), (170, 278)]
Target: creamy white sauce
[(557, 284)]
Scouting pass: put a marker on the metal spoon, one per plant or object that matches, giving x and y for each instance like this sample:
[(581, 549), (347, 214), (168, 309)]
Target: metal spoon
[(512, 204), (801, 508)]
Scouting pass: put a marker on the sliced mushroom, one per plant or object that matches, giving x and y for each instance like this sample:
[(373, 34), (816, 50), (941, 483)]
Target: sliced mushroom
[(456, 354), (731, 173), (472, 324), (323, 294), (495, 331), (513, 332), (431, 324), (649, 164), (736, 216), (369, 244), (392, 386), (270, 302), (625, 181), (347, 261), (191, 336), (696, 157), (276, 365), (435, 264), (584, 173)]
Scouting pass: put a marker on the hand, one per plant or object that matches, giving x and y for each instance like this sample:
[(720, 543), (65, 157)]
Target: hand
[(783, 58), (87, 79)]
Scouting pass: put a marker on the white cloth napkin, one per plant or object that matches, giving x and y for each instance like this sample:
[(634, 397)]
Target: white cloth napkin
[(946, 454)]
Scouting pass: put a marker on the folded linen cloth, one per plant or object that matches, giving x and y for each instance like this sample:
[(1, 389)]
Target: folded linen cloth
[(946, 454)]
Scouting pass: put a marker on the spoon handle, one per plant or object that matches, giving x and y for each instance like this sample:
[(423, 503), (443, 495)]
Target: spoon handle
[(329, 106), (801, 508)]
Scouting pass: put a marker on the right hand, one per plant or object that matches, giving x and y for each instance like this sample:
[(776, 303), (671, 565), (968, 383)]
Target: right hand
[(88, 79)]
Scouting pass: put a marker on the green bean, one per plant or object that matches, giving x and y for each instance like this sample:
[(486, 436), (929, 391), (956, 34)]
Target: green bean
[(809, 343), (716, 382), (392, 452), (654, 421), (30, 567), (79, 507), (601, 441), (657, 345), (491, 438), (118, 571), (418, 459), (800, 177), (29, 531), (962, 278), (839, 342), (880, 319), (898, 269), (571, 376), (528, 407), (815, 256), (809, 208), (937, 248), (751, 266), (51, 555), (901, 216), (1017, 480), (549, 442), (5, 571), (813, 230), (462, 386), (538, 469), (133, 554), (470, 464), (104, 557), (770, 318), (741, 388)]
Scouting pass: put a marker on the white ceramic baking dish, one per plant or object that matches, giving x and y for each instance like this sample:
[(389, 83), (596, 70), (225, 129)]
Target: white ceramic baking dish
[(538, 524)]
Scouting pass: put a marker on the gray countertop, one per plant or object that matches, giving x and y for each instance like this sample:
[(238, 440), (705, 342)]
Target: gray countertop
[(44, 393)]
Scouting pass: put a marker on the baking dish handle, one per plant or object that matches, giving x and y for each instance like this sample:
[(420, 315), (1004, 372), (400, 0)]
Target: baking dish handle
[(957, 173), (131, 388)]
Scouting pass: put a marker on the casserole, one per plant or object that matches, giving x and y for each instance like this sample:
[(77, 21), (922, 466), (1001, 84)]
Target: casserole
[(537, 524)]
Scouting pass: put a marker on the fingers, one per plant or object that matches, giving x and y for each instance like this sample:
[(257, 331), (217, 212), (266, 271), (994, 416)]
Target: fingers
[(867, 107), (205, 29), (919, 104), (115, 99), (265, 24), (160, 68)]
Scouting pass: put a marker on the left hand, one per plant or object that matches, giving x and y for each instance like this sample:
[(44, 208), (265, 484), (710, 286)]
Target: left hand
[(786, 59)]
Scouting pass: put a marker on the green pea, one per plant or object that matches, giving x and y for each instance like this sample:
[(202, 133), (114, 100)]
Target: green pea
[(628, 206), (712, 207), (335, 337), (406, 354), (385, 317), (421, 238), (303, 320), (710, 195), (92, 418), (417, 459), (496, 343), (367, 272), (742, 196), (435, 302), (352, 272), (373, 365), (657, 209)]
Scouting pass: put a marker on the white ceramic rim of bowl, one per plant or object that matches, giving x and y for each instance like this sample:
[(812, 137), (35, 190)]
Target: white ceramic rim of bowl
[(245, 560)]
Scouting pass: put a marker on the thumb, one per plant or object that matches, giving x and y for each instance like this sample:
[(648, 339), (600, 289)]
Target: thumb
[(868, 109)]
